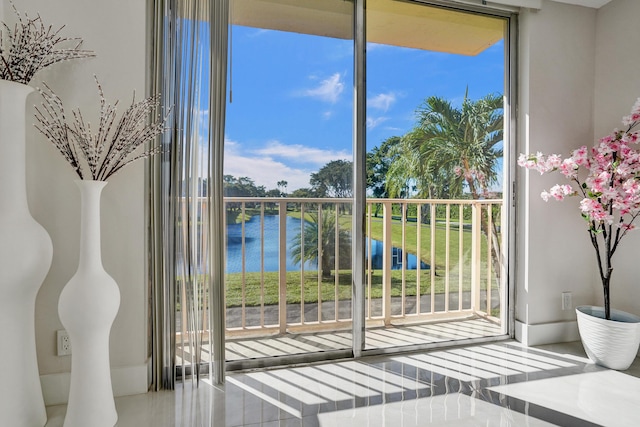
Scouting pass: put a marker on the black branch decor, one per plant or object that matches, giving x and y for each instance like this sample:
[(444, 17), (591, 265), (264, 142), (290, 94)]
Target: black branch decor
[(32, 46), (98, 156)]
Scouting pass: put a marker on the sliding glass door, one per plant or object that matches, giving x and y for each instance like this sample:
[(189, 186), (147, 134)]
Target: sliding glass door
[(434, 215), (436, 87), (288, 179), (365, 178)]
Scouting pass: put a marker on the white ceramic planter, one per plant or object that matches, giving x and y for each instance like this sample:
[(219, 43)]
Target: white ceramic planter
[(87, 307), (25, 258), (609, 343)]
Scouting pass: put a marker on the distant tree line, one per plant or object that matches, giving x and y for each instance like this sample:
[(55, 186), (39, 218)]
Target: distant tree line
[(332, 180), (450, 153)]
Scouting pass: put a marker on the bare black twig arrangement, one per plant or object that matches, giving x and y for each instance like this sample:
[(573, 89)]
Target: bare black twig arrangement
[(32, 46), (98, 156)]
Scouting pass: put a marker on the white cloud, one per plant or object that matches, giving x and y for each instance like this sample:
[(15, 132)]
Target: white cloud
[(276, 162), (301, 153), (373, 122), (382, 101), (376, 46), (259, 32), (265, 171), (328, 90)]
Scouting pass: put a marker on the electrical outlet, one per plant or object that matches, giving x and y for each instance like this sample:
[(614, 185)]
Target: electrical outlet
[(566, 300), (64, 343)]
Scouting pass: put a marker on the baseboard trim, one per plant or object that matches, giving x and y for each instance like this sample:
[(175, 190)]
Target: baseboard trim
[(125, 381), (547, 333)]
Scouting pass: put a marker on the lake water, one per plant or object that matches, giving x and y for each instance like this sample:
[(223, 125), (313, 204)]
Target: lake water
[(271, 246), (377, 249), (253, 247)]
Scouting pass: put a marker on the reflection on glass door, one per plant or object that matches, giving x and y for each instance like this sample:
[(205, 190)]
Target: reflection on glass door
[(435, 212), (288, 172)]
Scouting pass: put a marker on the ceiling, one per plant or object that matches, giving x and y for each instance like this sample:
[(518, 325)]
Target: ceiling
[(389, 22), (394, 23), (588, 3)]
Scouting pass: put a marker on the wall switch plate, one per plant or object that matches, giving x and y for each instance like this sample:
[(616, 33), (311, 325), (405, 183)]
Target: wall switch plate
[(64, 343), (566, 301)]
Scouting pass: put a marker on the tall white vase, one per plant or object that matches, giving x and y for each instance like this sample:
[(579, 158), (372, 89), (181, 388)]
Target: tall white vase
[(25, 258), (87, 307)]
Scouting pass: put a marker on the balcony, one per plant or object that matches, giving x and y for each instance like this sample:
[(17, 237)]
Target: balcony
[(433, 273)]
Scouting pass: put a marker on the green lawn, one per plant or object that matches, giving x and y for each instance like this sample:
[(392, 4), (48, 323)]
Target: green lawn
[(411, 239), (255, 286)]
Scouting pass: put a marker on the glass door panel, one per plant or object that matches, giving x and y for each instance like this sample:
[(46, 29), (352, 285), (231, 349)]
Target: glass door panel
[(435, 102), (288, 172)]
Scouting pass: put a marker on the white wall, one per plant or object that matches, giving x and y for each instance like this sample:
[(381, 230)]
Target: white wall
[(556, 79), (116, 31), (617, 88)]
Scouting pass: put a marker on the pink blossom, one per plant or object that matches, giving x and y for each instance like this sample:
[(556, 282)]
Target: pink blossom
[(631, 119), (523, 161), (626, 151), (588, 205), (614, 146), (597, 183), (560, 191), (595, 211), (623, 169), (569, 168), (634, 116), (631, 186), (599, 159), (545, 195), (622, 206), (607, 139), (580, 156), (627, 227), (553, 161), (607, 145), (609, 194), (633, 137), (541, 163), (534, 161)]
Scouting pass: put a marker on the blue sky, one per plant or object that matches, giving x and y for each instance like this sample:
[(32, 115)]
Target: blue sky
[(292, 106)]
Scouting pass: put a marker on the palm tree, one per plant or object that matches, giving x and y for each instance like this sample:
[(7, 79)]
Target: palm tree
[(412, 175), (449, 149), (328, 242)]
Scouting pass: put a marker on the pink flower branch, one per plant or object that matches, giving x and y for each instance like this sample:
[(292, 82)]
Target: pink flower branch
[(608, 178)]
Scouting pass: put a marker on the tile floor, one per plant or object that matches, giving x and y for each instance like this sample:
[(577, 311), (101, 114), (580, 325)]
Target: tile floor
[(498, 384)]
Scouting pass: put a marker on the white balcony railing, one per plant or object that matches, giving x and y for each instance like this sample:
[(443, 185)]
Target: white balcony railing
[(425, 260)]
